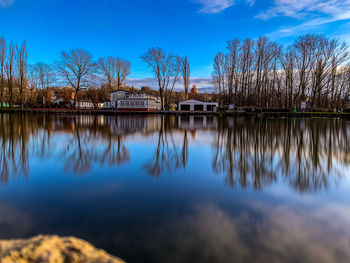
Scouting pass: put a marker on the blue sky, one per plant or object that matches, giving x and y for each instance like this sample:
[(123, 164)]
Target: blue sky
[(196, 28)]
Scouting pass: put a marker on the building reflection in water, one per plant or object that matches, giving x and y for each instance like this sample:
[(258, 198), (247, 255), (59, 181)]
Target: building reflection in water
[(308, 154), (194, 122)]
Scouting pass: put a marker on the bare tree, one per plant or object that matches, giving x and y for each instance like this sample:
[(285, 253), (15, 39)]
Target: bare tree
[(305, 53), (76, 68), (177, 65), (10, 72), (41, 77), (44, 75), (246, 68), (115, 70), (186, 75), (265, 54), (2, 69), (232, 67), (165, 68), (288, 68), (107, 67), (33, 84), (344, 80), (22, 71), (318, 59), (123, 70), (219, 79)]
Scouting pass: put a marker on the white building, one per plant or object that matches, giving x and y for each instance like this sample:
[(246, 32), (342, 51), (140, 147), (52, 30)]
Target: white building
[(132, 101), (196, 105), (84, 104)]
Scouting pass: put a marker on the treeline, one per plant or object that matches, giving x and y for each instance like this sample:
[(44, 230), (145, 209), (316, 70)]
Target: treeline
[(30, 85), (249, 73), (261, 73)]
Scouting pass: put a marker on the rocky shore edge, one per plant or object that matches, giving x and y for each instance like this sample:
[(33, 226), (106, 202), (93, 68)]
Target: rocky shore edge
[(52, 249)]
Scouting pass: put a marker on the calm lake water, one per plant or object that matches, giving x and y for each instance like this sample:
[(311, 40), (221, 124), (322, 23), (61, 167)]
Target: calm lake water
[(189, 189)]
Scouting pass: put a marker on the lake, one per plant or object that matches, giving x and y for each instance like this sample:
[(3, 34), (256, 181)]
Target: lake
[(180, 189)]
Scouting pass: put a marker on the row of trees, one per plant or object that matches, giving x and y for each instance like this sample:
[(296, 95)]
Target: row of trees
[(262, 73), (13, 71), (258, 73), (27, 84)]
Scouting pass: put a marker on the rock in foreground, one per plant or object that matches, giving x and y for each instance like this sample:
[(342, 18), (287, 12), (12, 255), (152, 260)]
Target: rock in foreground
[(52, 249)]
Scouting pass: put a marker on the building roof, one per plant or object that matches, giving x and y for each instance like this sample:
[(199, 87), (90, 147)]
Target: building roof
[(133, 92), (128, 91), (196, 102)]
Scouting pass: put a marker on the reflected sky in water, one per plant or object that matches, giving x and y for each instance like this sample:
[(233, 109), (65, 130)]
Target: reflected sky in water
[(189, 189)]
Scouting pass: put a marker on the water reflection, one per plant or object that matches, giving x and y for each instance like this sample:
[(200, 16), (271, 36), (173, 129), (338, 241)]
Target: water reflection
[(152, 189), (14, 146), (308, 154), (303, 152)]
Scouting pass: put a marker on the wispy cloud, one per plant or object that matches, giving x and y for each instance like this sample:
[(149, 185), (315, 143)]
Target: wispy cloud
[(214, 6), (6, 3), (250, 2), (217, 6), (311, 13), (319, 234), (301, 9)]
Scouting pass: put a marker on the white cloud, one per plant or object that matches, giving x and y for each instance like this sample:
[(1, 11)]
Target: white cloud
[(312, 14), (5, 3), (262, 232), (250, 2), (300, 28), (338, 9), (214, 6)]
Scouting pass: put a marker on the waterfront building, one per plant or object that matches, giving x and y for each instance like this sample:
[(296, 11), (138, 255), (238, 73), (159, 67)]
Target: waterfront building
[(123, 100), (196, 105), (84, 104)]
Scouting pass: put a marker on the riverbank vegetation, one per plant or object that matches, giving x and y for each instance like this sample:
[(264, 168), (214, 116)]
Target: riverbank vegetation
[(257, 73)]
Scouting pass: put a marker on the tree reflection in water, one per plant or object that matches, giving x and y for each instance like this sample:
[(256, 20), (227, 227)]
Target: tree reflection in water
[(257, 152), (14, 149), (167, 156), (307, 153), (87, 140)]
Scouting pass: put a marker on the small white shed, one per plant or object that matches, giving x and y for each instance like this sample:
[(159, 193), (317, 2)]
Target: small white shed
[(196, 105)]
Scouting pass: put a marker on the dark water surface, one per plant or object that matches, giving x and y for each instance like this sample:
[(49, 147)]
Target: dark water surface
[(193, 189)]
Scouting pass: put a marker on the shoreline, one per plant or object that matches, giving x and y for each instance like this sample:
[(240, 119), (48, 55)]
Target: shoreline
[(187, 113)]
